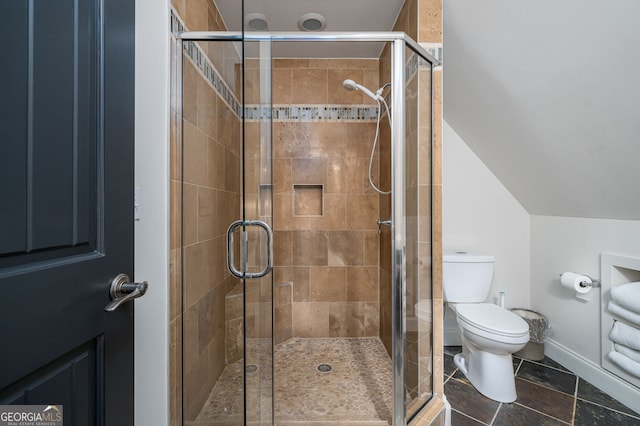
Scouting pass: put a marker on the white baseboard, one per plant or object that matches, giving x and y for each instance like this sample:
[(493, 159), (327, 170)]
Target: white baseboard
[(616, 387)]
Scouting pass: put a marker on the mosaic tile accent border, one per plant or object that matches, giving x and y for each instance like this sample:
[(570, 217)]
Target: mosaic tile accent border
[(280, 112), (312, 113), (435, 49), (206, 68)]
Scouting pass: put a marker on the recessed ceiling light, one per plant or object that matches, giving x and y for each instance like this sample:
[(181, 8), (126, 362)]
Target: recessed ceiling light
[(256, 22), (312, 22)]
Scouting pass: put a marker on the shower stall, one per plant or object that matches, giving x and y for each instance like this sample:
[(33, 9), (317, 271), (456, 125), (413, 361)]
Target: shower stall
[(304, 293)]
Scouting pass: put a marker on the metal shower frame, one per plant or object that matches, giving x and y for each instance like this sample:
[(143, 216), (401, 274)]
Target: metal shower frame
[(399, 41)]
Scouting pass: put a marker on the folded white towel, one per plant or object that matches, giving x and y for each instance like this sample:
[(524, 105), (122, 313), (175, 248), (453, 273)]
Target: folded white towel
[(627, 296), (625, 335), (628, 352), (626, 364), (624, 313)]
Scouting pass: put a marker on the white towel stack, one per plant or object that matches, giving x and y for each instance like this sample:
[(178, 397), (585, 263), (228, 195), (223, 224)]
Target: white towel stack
[(627, 296), (625, 335), (626, 349), (628, 352), (624, 313), (625, 363)]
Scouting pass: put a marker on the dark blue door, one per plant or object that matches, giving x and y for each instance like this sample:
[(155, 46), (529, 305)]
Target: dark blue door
[(66, 203)]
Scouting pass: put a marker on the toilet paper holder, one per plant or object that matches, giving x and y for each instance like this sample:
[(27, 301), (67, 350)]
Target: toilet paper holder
[(595, 283)]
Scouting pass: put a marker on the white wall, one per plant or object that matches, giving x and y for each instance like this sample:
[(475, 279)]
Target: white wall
[(479, 215), (561, 244), (152, 231)]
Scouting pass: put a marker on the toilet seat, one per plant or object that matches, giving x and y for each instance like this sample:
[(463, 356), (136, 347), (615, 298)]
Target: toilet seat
[(492, 322)]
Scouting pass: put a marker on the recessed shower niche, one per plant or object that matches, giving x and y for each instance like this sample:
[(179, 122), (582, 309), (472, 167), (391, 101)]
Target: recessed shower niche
[(308, 200)]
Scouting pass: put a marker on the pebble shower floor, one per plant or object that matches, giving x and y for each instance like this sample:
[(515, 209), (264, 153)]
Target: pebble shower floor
[(357, 390)]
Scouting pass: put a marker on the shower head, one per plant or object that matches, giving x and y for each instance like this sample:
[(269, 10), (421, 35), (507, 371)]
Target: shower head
[(352, 85)]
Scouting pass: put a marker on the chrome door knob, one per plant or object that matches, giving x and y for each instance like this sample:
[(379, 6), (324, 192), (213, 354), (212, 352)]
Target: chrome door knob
[(122, 290)]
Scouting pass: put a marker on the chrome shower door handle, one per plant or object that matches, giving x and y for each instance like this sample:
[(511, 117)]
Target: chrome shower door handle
[(244, 249), (122, 290)]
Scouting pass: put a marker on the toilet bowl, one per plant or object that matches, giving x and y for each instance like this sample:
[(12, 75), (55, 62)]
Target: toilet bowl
[(490, 333)]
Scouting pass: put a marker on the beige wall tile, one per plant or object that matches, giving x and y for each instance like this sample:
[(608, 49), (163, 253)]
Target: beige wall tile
[(230, 211), (175, 151), (281, 86), (310, 319), (195, 155), (314, 82), (346, 319), (299, 277), (346, 248), (227, 127), (217, 354), (337, 94), (282, 175), (328, 284), (350, 175), (175, 284), (234, 339), (190, 79), (310, 248), (206, 213), (190, 214), (196, 15), (291, 63), (215, 165), (232, 172), (371, 319), (234, 306), (175, 220), (282, 317), (283, 248), (430, 21), (283, 212), (359, 138), (362, 284), (371, 249), (291, 140), (326, 140), (335, 207), (217, 260), (206, 108), (309, 171), (197, 272), (362, 212), (190, 337), (327, 63)]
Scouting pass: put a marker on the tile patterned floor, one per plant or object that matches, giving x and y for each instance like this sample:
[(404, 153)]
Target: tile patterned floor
[(548, 394), (357, 391)]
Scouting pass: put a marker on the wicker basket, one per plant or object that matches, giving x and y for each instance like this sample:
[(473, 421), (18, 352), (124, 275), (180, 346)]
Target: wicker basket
[(539, 330)]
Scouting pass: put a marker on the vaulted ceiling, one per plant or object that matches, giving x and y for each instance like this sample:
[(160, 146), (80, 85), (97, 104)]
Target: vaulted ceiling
[(547, 94)]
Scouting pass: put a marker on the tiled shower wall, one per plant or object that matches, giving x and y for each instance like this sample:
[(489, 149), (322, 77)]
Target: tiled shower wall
[(205, 174), (325, 213)]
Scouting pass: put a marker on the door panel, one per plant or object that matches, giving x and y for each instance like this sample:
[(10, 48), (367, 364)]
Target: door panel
[(258, 206), (66, 167)]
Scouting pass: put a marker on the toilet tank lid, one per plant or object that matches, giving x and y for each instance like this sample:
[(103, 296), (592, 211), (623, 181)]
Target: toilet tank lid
[(467, 258)]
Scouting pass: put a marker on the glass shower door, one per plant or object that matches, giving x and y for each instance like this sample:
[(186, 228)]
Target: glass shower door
[(257, 199)]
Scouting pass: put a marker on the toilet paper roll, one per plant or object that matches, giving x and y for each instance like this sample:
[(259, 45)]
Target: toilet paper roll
[(572, 281)]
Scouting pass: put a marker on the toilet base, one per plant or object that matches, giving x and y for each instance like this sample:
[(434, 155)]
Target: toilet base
[(491, 374)]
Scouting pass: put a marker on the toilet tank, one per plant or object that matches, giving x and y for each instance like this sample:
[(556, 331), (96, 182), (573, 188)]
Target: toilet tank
[(466, 278)]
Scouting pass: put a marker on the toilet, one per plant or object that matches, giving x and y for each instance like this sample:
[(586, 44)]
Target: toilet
[(490, 334)]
